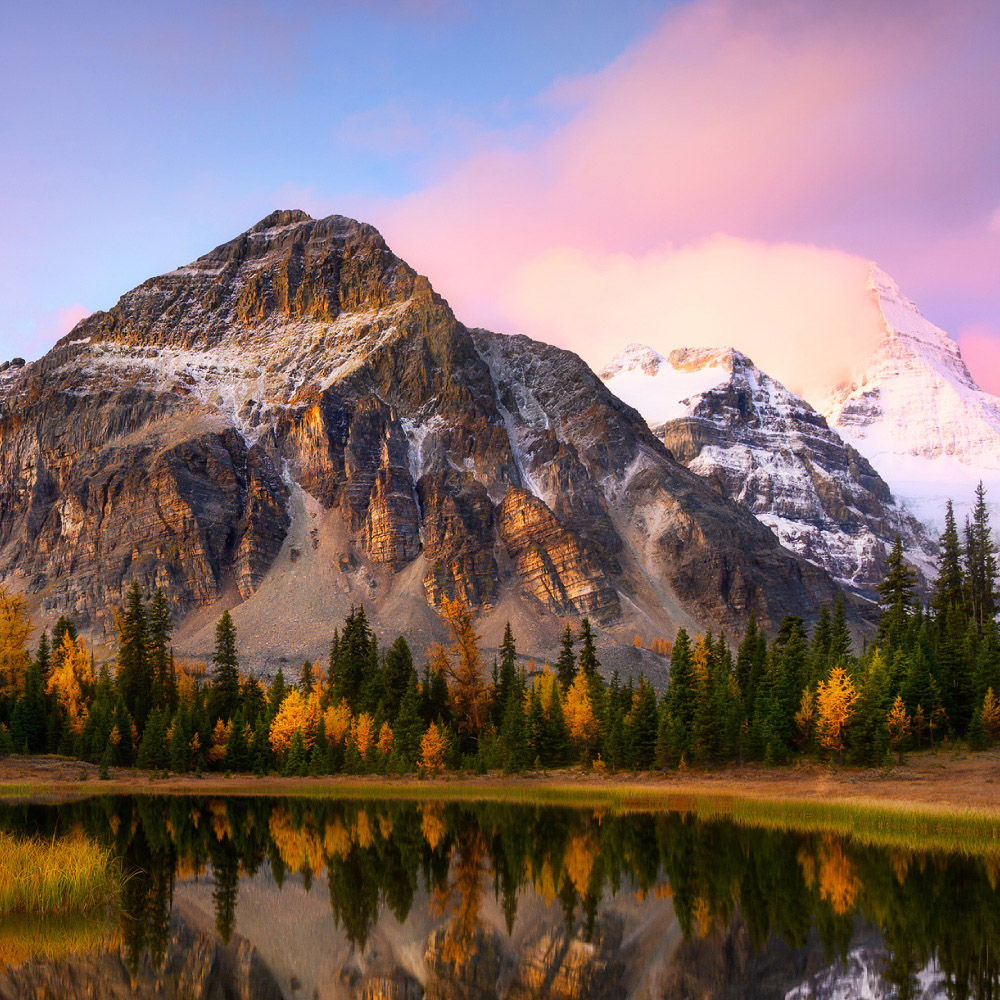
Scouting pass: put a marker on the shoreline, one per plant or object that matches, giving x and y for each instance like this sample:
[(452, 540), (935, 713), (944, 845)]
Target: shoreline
[(943, 799)]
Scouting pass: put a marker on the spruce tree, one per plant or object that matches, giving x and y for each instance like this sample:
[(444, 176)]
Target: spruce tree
[(158, 650), (587, 659), (680, 697), (641, 728), (135, 680), (43, 658), (981, 563), (566, 664), (408, 727), (226, 669), (949, 589), (896, 596), (396, 676)]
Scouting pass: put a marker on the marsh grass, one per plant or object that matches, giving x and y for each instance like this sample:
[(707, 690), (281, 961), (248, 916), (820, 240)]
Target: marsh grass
[(65, 875), (877, 823), (24, 937)]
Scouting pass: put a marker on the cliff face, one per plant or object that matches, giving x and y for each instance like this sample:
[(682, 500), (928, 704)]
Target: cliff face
[(174, 440)]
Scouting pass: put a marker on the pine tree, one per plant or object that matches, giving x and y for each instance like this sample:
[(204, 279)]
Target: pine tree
[(513, 736), (949, 595), (226, 672), (135, 680), (840, 636), (396, 675), (587, 659), (408, 726), (680, 697), (896, 598), (276, 694), (641, 728), (981, 563), (43, 658), (566, 664), (158, 633)]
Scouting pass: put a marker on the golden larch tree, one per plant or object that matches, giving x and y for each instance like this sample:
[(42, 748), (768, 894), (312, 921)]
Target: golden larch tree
[(898, 722), (71, 681), (15, 630), (432, 750), (835, 698), (467, 685), (579, 713), (296, 714)]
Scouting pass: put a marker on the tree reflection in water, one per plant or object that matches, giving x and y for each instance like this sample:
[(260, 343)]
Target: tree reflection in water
[(379, 856)]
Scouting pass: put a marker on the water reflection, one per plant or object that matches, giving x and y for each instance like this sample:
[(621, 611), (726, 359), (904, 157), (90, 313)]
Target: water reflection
[(403, 900)]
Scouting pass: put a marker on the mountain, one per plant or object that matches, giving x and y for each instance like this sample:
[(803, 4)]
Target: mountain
[(766, 448), (296, 423), (917, 414)]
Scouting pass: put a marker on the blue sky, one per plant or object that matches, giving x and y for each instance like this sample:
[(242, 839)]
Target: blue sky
[(138, 136), (523, 155)]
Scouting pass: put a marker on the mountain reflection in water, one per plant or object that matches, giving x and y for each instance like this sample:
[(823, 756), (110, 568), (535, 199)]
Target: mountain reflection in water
[(272, 898)]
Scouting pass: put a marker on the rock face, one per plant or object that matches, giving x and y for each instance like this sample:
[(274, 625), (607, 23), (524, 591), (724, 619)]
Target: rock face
[(914, 410), (175, 439), (771, 452)]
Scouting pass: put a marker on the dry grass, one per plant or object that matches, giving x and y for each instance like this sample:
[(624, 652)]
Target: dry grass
[(27, 937), (66, 875)]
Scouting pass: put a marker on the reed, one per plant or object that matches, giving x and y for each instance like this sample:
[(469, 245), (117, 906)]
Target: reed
[(65, 875)]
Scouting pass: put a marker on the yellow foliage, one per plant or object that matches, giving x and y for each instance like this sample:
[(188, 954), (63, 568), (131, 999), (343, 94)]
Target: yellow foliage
[(15, 629), (363, 834), (466, 684), (835, 700), (991, 714), (432, 826), (432, 750), (579, 712), (337, 721), (581, 854), (300, 848), (898, 721), (296, 714), (362, 732), (70, 681), (384, 745), (546, 684), (220, 740), (115, 736), (805, 718), (336, 839), (837, 881)]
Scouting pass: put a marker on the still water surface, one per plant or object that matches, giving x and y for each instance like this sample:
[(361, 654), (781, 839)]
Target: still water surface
[(282, 898)]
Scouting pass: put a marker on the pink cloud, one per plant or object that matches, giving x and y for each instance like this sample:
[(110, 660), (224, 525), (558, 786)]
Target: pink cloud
[(980, 347), (872, 127), (55, 324)]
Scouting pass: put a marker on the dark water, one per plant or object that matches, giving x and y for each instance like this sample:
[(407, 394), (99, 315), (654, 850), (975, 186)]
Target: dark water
[(242, 898)]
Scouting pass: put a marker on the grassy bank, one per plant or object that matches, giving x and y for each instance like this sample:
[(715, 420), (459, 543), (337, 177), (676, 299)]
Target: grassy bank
[(937, 801), (67, 875)]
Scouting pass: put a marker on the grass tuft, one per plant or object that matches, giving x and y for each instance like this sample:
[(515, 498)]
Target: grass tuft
[(66, 875)]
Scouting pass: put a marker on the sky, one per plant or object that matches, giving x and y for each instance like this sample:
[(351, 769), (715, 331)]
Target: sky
[(703, 172)]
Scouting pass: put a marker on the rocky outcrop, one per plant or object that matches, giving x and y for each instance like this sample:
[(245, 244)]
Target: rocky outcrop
[(771, 452), (172, 439)]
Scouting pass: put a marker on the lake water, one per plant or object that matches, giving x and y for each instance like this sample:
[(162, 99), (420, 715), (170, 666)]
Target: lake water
[(232, 899)]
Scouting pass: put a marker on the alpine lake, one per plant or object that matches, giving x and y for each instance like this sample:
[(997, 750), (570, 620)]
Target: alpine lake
[(233, 898)]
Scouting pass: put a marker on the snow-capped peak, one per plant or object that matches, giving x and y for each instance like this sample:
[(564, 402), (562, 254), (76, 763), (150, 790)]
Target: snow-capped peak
[(915, 411)]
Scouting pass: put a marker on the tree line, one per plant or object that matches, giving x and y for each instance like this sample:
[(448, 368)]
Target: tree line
[(931, 673)]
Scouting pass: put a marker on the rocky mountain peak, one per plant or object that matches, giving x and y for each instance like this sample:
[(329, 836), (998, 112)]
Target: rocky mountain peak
[(768, 449), (915, 411), (280, 218)]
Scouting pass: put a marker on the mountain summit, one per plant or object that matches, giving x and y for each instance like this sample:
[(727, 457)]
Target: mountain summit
[(766, 448), (915, 411), (296, 422)]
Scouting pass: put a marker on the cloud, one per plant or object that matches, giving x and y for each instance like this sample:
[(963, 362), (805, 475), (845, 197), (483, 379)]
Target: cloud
[(980, 347), (48, 328), (802, 313), (871, 127)]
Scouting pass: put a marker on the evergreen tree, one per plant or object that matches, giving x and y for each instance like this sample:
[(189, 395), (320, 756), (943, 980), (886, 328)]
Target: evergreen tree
[(981, 563), (840, 636), (949, 590), (566, 664), (680, 697), (226, 669), (276, 694), (135, 680), (513, 736), (896, 598), (396, 676), (641, 728), (408, 727), (158, 642), (43, 658), (587, 659)]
